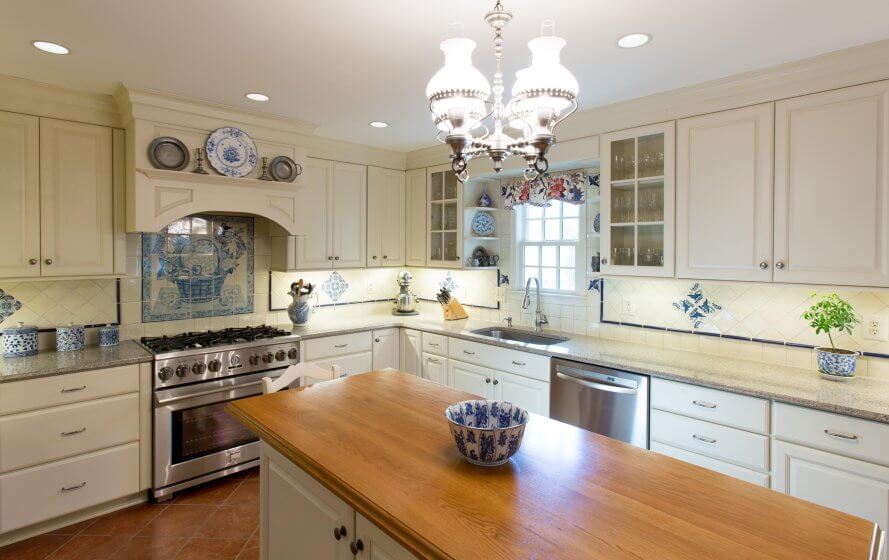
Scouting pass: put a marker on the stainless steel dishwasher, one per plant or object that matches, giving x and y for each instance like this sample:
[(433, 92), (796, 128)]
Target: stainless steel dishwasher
[(607, 401)]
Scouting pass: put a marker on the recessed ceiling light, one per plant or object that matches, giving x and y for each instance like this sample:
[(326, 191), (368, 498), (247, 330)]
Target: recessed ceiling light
[(378, 124), (53, 48), (257, 96), (633, 40)]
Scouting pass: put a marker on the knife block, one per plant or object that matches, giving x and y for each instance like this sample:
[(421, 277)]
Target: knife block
[(453, 310)]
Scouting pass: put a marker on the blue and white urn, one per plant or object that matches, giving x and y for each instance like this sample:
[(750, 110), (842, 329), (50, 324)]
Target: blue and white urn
[(69, 338), (835, 363), (19, 341), (301, 308)]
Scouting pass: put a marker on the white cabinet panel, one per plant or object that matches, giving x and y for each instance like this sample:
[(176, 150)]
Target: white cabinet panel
[(349, 204), (338, 345), (411, 352), (349, 364), (58, 390), (314, 249), (831, 196), (735, 471), (385, 217), (415, 218), (471, 378), (385, 349), (713, 405), (435, 344), (20, 193), (530, 394), (377, 545), (526, 364), (724, 195), (435, 368)]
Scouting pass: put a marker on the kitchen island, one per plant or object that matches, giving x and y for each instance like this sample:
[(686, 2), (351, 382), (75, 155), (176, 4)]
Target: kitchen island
[(367, 464)]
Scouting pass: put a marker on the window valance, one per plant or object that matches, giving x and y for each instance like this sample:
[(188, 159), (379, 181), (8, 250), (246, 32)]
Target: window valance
[(570, 187)]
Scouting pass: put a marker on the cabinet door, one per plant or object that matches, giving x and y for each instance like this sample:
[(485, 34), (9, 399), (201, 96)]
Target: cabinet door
[(637, 210), (349, 364), (724, 195), (410, 349), (349, 215), (530, 394), (415, 218), (445, 218), (76, 206), (435, 368), (20, 193), (385, 349), (314, 250), (478, 380), (299, 515), (385, 217), (377, 545), (831, 196), (851, 486)]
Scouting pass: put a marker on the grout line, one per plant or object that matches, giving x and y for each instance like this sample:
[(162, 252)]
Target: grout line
[(250, 538)]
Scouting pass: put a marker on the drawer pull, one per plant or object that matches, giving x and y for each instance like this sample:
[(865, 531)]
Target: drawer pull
[(340, 345), (74, 432), (705, 439), (468, 352), (73, 488), (841, 435), (433, 344), (704, 404), (433, 360), (74, 389), (518, 363)]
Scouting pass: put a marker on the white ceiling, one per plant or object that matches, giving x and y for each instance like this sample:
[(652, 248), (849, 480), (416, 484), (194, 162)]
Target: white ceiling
[(342, 64)]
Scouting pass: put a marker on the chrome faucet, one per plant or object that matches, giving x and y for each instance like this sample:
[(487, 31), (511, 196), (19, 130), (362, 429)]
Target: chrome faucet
[(507, 320), (539, 318)]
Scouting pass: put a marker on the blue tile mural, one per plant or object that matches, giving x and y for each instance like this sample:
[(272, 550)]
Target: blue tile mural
[(199, 266), (696, 305), (8, 305)]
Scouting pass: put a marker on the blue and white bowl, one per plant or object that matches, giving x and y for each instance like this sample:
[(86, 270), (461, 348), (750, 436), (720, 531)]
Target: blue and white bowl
[(109, 335), (69, 338), (487, 433), (19, 341), (836, 365)]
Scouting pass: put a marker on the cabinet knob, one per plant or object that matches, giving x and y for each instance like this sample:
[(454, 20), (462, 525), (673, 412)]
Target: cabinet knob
[(496, 381), (374, 257), (385, 256), (487, 380), (32, 261), (604, 261), (48, 261), (336, 258), (763, 265), (779, 265), (356, 546), (330, 258), (339, 532), (376, 340)]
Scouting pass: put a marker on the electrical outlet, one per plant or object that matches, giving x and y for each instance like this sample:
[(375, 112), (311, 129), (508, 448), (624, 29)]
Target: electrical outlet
[(628, 307), (876, 327), (370, 287)]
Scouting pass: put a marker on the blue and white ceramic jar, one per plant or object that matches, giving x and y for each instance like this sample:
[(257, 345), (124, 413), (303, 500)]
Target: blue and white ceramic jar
[(836, 364), (19, 341), (109, 335), (69, 338)]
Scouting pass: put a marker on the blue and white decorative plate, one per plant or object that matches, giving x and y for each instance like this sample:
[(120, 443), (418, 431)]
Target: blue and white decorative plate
[(483, 224), (231, 151)]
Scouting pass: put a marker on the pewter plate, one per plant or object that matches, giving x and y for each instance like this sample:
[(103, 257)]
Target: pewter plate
[(284, 169), (166, 152)]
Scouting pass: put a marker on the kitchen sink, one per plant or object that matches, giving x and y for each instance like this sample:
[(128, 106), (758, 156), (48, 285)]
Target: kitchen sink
[(517, 335)]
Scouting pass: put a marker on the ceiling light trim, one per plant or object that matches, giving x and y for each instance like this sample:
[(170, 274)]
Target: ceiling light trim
[(50, 47), (634, 40)]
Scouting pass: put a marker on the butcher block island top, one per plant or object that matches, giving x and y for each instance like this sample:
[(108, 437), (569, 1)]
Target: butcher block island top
[(381, 443)]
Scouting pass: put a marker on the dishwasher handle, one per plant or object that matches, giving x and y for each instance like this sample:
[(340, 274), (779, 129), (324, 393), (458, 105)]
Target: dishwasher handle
[(597, 386)]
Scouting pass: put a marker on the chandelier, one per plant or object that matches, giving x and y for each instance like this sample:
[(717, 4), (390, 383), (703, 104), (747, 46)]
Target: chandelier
[(543, 95)]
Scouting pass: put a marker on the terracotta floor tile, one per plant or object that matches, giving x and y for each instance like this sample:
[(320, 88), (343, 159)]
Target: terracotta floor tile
[(178, 521), (126, 522), (212, 493), (229, 522), (89, 547), (72, 529), (211, 549), (247, 494), (251, 549), (150, 548), (35, 548)]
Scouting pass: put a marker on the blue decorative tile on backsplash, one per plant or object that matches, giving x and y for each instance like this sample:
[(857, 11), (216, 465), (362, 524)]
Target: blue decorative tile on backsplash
[(335, 286), (449, 283), (200, 266), (504, 279), (8, 305), (696, 306), (595, 285)]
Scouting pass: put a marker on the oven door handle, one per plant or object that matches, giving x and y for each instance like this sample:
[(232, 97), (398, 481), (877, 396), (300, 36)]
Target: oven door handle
[(168, 400)]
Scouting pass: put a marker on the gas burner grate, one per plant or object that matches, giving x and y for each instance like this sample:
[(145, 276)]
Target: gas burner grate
[(189, 340)]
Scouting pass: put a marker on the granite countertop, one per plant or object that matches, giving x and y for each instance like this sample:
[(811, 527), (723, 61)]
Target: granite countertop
[(863, 397), (50, 362)]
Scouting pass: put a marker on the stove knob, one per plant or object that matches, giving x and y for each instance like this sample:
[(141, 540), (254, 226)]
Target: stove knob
[(214, 365), (292, 353), (268, 357), (198, 368), (280, 355), (254, 359), (181, 370), (165, 373)]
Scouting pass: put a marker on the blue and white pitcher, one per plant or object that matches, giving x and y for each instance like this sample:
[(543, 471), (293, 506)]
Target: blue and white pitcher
[(300, 310)]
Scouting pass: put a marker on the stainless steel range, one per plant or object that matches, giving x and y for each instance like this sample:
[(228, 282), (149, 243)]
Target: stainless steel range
[(195, 376)]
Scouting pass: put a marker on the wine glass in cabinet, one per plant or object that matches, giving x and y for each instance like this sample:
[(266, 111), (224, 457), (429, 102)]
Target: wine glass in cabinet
[(444, 207)]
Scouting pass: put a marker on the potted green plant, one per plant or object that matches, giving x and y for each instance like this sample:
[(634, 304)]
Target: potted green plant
[(832, 313)]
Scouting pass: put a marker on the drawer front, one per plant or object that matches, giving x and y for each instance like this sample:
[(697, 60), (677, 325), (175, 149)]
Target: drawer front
[(40, 493), (19, 396), (852, 437), (529, 365), (730, 409), (435, 344), (32, 438), (340, 345), (350, 364), (716, 465), (719, 442)]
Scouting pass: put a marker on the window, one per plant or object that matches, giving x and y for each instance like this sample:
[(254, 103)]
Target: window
[(549, 246)]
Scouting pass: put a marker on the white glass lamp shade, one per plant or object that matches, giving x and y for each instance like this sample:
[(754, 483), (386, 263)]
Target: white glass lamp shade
[(546, 88), (458, 91)]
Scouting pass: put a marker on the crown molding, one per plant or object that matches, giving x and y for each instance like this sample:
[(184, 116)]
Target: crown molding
[(29, 97)]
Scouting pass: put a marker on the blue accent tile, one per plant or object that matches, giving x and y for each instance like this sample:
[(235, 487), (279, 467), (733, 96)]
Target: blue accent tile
[(595, 285), (798, 345), (449, 283), (696, 306), (8, 305), (504, 279), (335, 286), (736, 337)]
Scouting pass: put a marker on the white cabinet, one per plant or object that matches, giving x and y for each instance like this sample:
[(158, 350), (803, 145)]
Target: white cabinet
[(411, 351), (349, 215), (352, 353), (435, 368), (637, 213), (530, 394), (445, 218), (385, 217), (20, 193), (831, 193), (375, 544), (724, 195), (471, 378), (385, 349), (415, 218)]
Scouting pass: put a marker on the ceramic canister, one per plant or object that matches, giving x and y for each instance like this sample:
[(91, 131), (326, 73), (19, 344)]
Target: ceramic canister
[(19, 341), (69, 338), (109, 335)]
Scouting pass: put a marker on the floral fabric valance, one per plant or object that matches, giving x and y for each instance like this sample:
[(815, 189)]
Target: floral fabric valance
[(570, 187)]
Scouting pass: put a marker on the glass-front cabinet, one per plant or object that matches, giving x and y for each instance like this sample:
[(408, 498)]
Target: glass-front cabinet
[(445, 208), (637, 185)]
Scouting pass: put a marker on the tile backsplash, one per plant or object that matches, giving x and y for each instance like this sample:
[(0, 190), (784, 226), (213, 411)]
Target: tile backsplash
[(49, 303)]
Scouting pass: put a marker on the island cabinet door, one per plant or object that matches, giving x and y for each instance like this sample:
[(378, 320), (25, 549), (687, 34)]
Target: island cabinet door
[(300, 518), (385, 349), (375, 544), (435, 368), (410, 350), (478, 380), (530, 394)]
